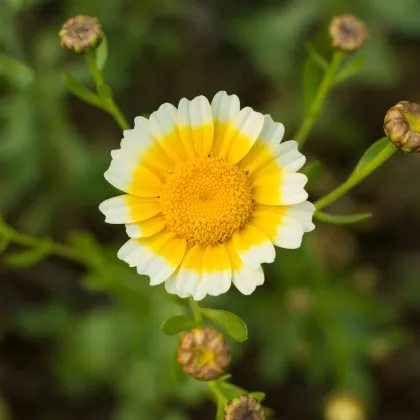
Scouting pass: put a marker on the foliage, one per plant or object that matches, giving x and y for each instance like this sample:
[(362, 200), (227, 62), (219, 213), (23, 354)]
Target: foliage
[(318, 313)]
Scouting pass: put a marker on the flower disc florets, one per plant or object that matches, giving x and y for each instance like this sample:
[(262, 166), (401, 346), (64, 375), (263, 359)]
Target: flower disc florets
[(244, 407), (204, 354), (402, 126), (206, 201), (347, 33), (81, 34)]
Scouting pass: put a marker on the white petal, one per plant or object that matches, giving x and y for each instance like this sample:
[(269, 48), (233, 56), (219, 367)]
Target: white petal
[(289, 234), (170, 284), (247, 279), (272, 132), (292, 188), (131, 253), (246, 127), (146, 228), (253, 246), (126, 174), (139, 138), (224, 107), (116, 210), (163, 126), (289, 158), (303, 214), (195, 121), (217, 273), (161, 256), (189, 276)]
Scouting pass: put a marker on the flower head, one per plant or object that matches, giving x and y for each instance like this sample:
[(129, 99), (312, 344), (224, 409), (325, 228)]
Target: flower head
[(402, 126), (347, 33), (344, 406), (204, 354), (81, 34), (210, 189), (244, 407)]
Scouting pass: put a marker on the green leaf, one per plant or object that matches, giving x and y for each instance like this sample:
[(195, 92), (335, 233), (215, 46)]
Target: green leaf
[(260, 396), (16, 72), (370, 154), (234, 325), (231, 391), (105, 92), (178, 323), (23, 259), (101, 54), (313, 171), (81, 91), (316, 56), (353, 68), (224, 378), (311, 78), (341, 220)]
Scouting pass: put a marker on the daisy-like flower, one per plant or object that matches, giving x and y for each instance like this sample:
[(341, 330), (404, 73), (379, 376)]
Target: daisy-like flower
[(210, 189)]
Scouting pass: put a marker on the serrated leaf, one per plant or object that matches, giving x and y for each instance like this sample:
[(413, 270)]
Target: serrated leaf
[(233, 325), (81, 91), (353, 68), (370, 154), (178, 323), (260, 396), (313, 171), (341, 220), (311, 78), (101, 54), (27, 258), (16, 72)]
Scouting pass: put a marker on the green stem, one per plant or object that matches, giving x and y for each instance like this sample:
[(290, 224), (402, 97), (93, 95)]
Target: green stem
[(356, 177), (93, 67), (108, 103), (61, 250), (195, 308), (217, 392), (113, 109), (323, 89)]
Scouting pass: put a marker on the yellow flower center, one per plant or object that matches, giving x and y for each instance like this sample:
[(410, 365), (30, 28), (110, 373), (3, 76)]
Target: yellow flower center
[(206, 200)]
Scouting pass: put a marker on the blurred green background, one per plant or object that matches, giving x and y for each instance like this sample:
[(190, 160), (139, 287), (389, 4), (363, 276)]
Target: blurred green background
[(341, 313)]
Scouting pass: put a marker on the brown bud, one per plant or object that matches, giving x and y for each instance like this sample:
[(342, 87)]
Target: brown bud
[(347, 33), (344, 406), (81, 34), (204, 354), (244, 407), (402, 126)]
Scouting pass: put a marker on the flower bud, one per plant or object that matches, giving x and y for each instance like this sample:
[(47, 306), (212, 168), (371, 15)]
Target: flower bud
[(204, 354), (402, 126), (244, 407), (81, 34), (347, 33), (343, 406)]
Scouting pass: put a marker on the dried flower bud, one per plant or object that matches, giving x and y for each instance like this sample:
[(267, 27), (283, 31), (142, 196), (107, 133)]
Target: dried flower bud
[(344, 406), (347, 33), (81, 34), (402, 126), (244, 407), (204, 354)]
